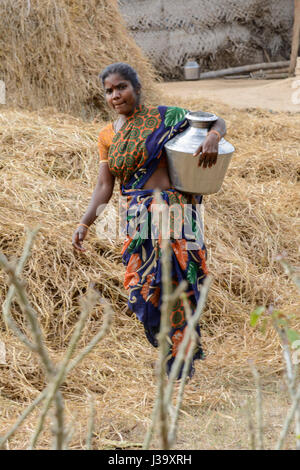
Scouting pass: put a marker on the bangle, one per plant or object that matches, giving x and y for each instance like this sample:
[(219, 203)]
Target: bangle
[(215, 132), (83, 225)]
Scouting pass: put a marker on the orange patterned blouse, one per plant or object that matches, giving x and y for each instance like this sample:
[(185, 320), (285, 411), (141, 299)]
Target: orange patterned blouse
[(105, 138)]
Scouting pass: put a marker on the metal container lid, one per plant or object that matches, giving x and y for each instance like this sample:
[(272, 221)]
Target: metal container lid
[(201, 119), (192, 63)]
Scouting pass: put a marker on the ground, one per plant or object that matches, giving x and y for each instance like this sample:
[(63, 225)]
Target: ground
[(275, 95)]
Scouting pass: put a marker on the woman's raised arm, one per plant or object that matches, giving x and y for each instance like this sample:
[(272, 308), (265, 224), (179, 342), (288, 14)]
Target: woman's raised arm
[(101, 196)]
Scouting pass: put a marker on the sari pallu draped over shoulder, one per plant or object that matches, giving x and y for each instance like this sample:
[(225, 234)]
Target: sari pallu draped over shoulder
[(133, 157)]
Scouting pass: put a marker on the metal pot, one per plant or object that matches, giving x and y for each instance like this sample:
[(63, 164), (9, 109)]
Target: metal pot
[(191, 70), (184, 172)]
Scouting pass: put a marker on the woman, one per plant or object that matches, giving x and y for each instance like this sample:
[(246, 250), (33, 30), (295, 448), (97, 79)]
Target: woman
[(132, 149)]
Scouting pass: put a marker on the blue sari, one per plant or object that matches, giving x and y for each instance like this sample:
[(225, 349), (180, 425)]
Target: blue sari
[(133, 157)]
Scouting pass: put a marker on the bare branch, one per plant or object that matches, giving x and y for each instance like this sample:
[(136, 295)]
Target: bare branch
[(164, 343), (291, 374), (250, 426), (290, 271), (291, 413), (186, 368), (91, 424), (107, 321), (259, 414), (23, 416), (11, 292), (179, 290), (192, 323), (55, 378), (150, 430), (31, 316), (189, 332), (59, 429), (65, 367)]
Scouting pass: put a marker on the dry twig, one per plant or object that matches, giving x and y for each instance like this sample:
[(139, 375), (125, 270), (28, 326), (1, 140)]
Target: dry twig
[(55, 376)]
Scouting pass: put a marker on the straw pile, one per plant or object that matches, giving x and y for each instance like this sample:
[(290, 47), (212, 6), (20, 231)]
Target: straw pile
[(48, 169), (51, 53)]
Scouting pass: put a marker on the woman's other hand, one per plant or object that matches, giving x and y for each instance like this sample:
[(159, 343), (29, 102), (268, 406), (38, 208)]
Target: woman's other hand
[(78, 237), (208, 151)]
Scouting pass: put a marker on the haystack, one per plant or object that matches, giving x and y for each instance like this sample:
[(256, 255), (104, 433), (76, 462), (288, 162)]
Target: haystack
[(51, 53), (218, 33), (48, 170)]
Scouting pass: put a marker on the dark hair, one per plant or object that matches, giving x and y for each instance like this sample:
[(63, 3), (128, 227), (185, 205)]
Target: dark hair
[(126, 72)]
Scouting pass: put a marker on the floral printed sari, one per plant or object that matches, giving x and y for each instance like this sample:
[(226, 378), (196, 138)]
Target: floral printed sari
[(133, 157)]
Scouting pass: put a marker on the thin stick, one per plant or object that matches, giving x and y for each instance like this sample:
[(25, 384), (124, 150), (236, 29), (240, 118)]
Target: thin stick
[(292, 370), (61, 373), (91, 424), (187, 364), (163, 339), (289, 270), (51, 392), (178, 291), (107, 321), (173, 427), (250, 426), (291, 375), (23, 416), (39, 346), (30, 314), (186, 339), (297, 413), (59, 430), (160, 409), (69, 434), (65, 367), (11, 292), (164, 346), (259, 414), (288, 420), (150, 430)]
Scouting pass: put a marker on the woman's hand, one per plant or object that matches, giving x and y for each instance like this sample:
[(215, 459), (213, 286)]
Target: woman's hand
[(208, 151), (78, 237)]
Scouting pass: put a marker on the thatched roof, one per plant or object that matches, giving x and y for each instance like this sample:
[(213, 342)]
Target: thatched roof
[(218, 33)]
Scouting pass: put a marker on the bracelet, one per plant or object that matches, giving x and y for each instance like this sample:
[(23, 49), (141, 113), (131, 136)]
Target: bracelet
[(83, 225), (215, 132)]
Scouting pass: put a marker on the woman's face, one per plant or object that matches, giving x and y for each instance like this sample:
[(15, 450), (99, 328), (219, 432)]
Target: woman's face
[(120, 94)]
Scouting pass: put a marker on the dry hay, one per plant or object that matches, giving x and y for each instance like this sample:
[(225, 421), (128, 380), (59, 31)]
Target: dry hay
[(52, 52), (48, 169)]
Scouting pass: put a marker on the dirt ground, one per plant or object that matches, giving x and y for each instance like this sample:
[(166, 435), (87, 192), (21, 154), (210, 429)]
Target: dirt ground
[(275, 95)]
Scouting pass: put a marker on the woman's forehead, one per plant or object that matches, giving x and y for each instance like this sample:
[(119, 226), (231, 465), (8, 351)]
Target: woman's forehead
[(114, 79)]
